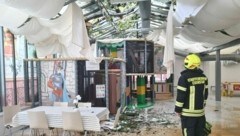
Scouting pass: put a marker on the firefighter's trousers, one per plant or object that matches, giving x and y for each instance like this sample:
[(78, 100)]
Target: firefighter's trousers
[(193, 126)]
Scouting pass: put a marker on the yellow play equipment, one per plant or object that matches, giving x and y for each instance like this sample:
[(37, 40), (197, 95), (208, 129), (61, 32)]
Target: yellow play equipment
[(228, 88)]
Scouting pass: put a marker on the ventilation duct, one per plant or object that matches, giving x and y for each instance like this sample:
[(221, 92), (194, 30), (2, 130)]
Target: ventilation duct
[(232, 62), (228, 59), (225, 57), (145, 12)]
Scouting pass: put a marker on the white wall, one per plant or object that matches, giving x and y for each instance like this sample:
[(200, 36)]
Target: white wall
[(178, 68), (229, 73)]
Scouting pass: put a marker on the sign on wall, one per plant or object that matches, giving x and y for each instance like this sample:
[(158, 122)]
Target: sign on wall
[(92, 66), (100, 91)]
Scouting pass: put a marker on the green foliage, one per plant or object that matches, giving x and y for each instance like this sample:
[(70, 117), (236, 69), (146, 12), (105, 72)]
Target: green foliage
[(127, 22)]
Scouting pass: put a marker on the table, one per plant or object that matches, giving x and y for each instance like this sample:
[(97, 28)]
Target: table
[(91, 116)]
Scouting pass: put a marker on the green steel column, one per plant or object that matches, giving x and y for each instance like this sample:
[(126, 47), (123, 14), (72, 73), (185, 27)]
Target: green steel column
[(141, 90)]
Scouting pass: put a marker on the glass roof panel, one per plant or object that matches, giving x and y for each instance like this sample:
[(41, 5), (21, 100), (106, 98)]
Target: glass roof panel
[(107, 19)]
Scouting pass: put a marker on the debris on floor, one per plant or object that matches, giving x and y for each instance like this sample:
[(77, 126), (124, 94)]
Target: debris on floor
[(148, 121)]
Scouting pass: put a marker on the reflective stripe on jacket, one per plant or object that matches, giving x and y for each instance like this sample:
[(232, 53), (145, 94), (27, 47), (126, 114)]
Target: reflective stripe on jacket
[(192, 93)]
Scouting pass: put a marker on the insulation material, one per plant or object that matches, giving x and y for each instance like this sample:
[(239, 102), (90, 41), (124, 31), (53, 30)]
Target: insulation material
[(10, 17), (180, 42), (71, 31), (38, 8), (80, 35), (189, 46), (30, 27), (49, 46), (40, 36), (187, 8), (66, 35), (215, 38), (233, 30), (33, 31), (168, 58), (217, 15), (61, 24)]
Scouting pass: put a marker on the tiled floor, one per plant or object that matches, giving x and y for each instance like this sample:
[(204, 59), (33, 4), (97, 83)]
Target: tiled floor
[(226, 122)]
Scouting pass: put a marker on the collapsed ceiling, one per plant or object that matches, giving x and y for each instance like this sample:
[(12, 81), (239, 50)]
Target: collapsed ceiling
[(61, 26)]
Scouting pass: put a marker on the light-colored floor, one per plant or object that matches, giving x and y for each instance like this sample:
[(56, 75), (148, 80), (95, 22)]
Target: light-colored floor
[(226, 122)]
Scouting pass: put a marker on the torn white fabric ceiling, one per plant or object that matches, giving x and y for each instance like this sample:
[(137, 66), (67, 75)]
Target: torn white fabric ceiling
[(234, 30), (40, 36), (169, 57), (217, 15), (204, 24), (31, 27), (210, 38), (11, 17), (37, 8), (73, 34), (66, 35), (60, 24), (49, 46), (187, 8), (201, 24)]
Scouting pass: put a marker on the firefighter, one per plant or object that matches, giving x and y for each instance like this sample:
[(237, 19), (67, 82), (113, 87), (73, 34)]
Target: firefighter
[(192, 93)]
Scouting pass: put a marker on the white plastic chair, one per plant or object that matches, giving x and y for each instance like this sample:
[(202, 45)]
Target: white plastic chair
[(60, 104), (85, 104), (8, 113), (72, 121), (38, 120), (112, 125)]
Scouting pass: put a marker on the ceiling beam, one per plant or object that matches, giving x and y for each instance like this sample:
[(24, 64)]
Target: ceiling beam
[(223, 46), (145, 13)]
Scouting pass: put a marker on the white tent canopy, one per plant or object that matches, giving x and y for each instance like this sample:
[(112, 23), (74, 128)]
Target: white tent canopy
[(66, 35), (199, 25), (202, 24), (36, 8)]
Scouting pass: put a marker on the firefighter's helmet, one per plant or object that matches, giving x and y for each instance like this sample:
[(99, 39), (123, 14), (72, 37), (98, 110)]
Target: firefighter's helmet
[(192, 61)]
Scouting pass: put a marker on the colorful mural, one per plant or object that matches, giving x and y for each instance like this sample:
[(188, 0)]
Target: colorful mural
[(57, 83)]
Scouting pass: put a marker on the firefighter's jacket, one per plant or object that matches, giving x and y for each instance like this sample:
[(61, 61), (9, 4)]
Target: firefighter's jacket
[(192, 93)]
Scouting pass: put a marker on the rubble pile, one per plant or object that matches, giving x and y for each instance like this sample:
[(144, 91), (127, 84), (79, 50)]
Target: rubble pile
[(157, 120)]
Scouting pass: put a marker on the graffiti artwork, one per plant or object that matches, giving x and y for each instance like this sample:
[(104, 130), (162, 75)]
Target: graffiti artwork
[(57, 82)]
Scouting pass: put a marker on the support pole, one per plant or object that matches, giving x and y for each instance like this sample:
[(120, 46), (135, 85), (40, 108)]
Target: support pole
[(14, 71), (123, 77), (218, 81), (2, 71), (141, 90), (26, 75), (152, 81), (145, 55), (106, 81), (32, 84), (39, 89)]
